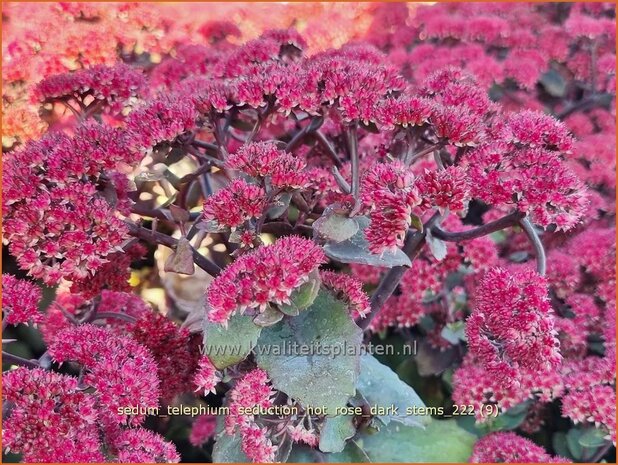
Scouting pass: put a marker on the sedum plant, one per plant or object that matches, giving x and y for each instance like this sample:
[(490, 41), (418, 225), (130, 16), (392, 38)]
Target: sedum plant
[(446, 184)]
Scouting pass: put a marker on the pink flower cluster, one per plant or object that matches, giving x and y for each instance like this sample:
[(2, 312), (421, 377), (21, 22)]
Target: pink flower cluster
[(445, 189), (112, 85), (161, 121), (510, 448), (253, 390), (527, 172), (267, 275), (236, 203), (139, 445), (172, 349), (477, 386), (51, 418), (56, 221), (206, 377), (203, 430), (20, 301), (263, 159), (121, 371), (113, 274), (389, 193), (590, 397), (348, 289), (512, 324)]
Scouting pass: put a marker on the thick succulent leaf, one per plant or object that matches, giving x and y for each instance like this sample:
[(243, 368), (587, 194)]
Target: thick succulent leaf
[(334, 228), (454, 332), (231, 345), (268, 317), (440, 441), (335, 432), (356, 250), (279, 206), (381, 387), (593, 437), (304, 296), (508, 420), (436, 246), (318, 379), (227, 449)]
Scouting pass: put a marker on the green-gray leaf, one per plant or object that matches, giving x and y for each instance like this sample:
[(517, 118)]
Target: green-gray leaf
[(381, 387), (227, 449), (593, 437), (554, 83), (437, 247), (454, 332), (335, 432), (313, 377), (332, 227), (304, 296), (572, 439), (279, 206), (356, 250), (441, 441), (268, 317), (229, 346)]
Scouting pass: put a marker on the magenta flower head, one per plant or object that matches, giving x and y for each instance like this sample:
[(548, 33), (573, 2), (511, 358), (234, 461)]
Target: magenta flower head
[(510, 448), (51, 418), (267, 275), (235, 204), (263, 159), (20, 301), (252, 390), (121, 371), (512, 324), (349, 289), (390, 193), (111, 85), (140, 445), (161, 120)]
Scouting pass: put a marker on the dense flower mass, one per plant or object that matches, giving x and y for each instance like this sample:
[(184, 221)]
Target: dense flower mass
[(253, 390), (267, 275), (262, 159), (389, 192), (203, 429), (108, 85), (54, 404), (161, 120), (143, 446), (510, 448), (56, 221), (121, 371), (171, 349), (20, 301), (190, 180), (235, 204), (512, 324), (350, 290), (206, 377)]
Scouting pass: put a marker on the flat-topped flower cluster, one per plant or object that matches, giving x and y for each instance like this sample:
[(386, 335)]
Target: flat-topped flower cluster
[(449, 179)]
